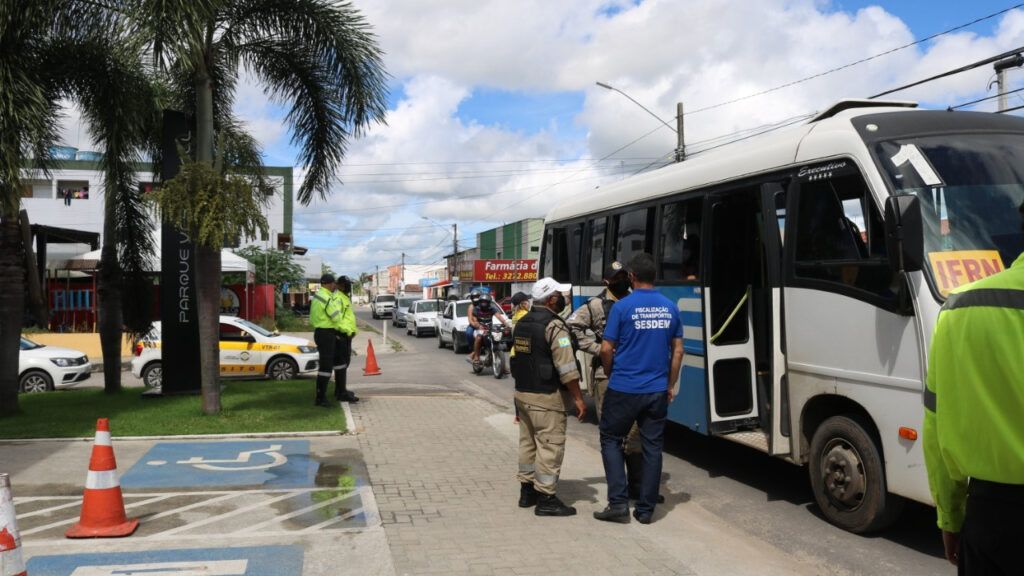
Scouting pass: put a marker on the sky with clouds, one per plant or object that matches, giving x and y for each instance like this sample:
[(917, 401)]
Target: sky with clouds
[(494, 114)]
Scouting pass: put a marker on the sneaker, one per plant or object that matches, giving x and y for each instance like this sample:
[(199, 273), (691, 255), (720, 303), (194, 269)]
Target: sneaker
[(609, 514), (527, 495), (348, 396), (550, 505), (641, 518)]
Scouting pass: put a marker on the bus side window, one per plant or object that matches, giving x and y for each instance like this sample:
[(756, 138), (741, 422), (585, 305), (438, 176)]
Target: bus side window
[(556, 255), (635, 234), (840, 236), (596, 241), (575, 252), (680, 241)]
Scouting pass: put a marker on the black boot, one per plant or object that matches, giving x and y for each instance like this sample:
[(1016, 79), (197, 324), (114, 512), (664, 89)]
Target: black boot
[(610, 514), (527, 495), (550, 505), (635, 475)]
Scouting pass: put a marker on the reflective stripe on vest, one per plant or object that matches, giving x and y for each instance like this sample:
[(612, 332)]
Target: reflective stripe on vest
[(990, 297)]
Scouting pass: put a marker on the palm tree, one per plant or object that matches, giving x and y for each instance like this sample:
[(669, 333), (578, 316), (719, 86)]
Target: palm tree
[(319, 57), (56, 50)]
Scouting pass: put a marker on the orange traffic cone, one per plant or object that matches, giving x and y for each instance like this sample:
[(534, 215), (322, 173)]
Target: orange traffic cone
[(11, 563), (371, 368), (102, 505)]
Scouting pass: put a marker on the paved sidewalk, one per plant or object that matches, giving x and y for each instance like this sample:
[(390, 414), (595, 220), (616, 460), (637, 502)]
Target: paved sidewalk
[(443, 473)]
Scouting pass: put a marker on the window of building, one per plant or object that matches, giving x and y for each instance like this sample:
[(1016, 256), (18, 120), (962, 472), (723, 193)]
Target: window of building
[(634, 234), (680, 241), (840, 237)]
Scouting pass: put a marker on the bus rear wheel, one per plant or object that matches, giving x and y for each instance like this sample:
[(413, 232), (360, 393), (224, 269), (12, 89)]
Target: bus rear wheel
[(848, 477)]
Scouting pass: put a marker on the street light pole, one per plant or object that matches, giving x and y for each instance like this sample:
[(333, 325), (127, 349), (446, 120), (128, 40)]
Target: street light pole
[(680, 153)]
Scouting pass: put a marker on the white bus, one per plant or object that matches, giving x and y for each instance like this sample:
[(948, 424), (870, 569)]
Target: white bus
[(809, 266)]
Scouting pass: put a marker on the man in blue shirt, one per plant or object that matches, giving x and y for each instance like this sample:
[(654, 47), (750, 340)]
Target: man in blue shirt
[(642, 350)]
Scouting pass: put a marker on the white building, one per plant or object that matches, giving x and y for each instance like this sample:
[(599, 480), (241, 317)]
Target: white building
[(72, 197)]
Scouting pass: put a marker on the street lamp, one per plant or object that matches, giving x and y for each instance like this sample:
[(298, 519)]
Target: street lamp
[(680, 149)]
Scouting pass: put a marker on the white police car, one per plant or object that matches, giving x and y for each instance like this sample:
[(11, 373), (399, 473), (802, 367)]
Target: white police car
[(246, 349)]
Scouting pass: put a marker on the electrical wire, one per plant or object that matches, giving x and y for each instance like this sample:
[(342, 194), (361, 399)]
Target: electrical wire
[(952, 72), (980, 100)]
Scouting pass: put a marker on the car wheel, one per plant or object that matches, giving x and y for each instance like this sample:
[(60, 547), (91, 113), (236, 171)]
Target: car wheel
[(848, 476), (282, 369), (153, 375), (35, 381)]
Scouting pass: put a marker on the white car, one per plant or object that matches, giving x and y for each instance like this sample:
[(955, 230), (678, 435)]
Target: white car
[(246, 349), (422, 317), (42, 368), (452, 324), (383, 305)]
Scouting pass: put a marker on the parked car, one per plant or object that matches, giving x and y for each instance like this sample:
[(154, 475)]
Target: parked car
[(246, 349), (452, 324), (398, 317), (41, 368), (382, 305), (422, 317)]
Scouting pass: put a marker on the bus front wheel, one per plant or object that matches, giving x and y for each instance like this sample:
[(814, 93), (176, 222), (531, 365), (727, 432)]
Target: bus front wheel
[(848, 477)]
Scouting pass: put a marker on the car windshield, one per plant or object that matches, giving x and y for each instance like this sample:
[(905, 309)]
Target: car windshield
[(404, 303), (428, 306), (971, 189), (27, 344), (386, 298), (462, 309), (253, 327)]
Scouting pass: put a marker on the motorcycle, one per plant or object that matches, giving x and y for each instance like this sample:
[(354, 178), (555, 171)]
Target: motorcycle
[(494, 350)]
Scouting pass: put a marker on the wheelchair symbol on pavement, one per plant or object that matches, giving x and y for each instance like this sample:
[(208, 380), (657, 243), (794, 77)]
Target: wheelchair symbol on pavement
[(232, 465)]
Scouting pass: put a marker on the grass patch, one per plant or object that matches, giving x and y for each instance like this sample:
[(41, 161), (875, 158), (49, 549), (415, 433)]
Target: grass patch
[(248, 406)]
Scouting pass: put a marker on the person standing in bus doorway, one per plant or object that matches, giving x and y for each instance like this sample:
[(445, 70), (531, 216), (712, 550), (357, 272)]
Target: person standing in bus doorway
[(587, 324), (547, 384), (973, 438), (642, 352), (345, 332)]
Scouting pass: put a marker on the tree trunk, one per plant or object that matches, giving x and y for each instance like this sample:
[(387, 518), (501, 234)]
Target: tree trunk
[(207, 259), (12, 308), (110, 305), (208, 294)]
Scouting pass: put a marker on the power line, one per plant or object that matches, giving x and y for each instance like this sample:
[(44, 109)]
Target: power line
[(959, 70), (980, 100), (851, 64)]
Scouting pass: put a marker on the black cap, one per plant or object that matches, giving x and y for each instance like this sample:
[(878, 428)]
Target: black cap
[(613, 270), (327, 279), (519, 297)]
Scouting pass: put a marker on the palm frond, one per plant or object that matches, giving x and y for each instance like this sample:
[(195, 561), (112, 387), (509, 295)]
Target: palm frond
[(320, 57)]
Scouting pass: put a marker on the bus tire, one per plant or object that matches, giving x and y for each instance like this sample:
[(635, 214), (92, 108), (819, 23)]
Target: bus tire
[(848, 476)]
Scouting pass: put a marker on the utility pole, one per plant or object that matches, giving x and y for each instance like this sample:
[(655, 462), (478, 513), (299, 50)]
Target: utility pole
[(402, 275), (376, 280), (1015, 61), (680, 144), (455, 252)]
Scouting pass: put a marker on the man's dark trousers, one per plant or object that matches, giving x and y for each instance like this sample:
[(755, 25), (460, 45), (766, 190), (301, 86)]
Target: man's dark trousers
[(326, 344), (342, 356), (618, 413), (990, 538)]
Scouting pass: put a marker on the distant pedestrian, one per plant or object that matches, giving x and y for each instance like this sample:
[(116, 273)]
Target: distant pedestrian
[(67, 196), (642, 352), (973, 434), (547, 384)]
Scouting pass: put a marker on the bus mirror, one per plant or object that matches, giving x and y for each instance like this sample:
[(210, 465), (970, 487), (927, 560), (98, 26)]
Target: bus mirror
[(904, 235)]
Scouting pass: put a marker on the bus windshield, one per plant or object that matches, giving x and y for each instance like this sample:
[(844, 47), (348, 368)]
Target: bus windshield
[(971, 189)]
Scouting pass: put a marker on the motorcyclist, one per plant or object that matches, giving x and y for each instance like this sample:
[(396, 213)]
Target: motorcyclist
[(481, 312)]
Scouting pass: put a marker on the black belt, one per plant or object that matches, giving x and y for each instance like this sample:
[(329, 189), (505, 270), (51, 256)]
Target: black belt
[(986, 489)]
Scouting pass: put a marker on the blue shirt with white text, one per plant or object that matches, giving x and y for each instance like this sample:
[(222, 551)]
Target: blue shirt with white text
[(642, 327)]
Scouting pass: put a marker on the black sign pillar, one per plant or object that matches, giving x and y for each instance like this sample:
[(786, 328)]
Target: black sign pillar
[(179, 339)]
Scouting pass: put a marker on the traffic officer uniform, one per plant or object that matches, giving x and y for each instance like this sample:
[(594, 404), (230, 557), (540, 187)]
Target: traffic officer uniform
[(345, 332), (973, 433), (543, 364), (325, 317)]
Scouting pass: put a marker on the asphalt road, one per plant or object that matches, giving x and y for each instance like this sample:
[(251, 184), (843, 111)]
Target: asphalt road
[(767, 498)]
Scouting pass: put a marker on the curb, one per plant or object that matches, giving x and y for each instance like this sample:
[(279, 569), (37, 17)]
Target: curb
[(97, 367)]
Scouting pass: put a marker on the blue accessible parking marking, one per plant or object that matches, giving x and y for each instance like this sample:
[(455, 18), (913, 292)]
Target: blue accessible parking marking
[(262, 561), (266, 464)]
